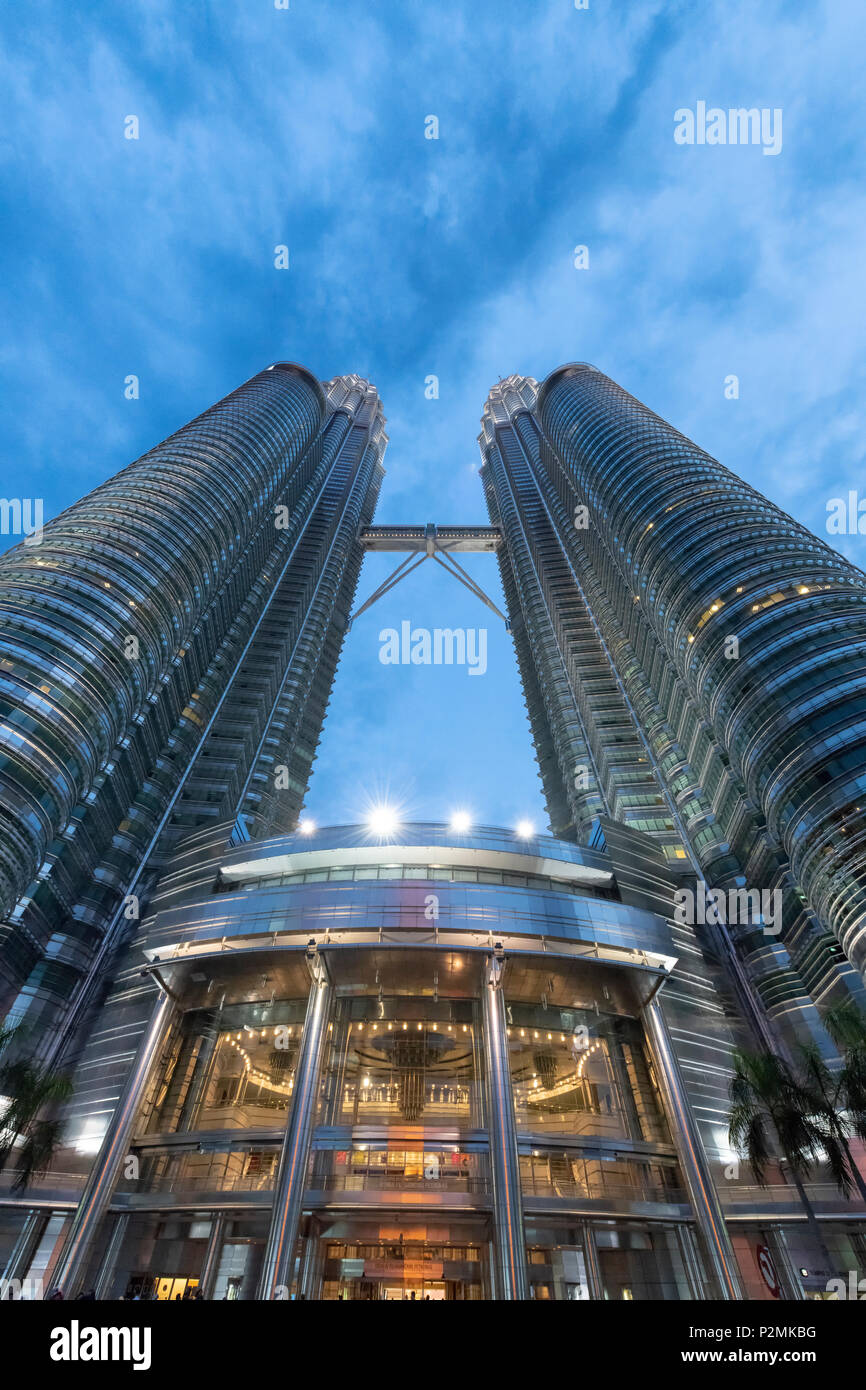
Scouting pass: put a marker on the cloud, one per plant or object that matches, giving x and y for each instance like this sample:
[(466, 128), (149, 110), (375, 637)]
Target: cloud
[(449, 256)]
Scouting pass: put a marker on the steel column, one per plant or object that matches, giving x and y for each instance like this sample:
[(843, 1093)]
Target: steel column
[(691, 1261), (693, 1160), (103, 1176), (112, 1251), (510, 1282), (785, 1265), (24, 1249), (279, 1257), (201, 1075), (311, 1267), (207, 1278)]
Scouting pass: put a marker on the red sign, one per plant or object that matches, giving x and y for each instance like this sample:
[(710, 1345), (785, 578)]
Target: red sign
[(768, 1271)]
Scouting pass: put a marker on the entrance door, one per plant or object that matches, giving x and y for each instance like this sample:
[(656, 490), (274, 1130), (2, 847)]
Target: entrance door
[(408, 1272), (172, 1286), (418, 1293)]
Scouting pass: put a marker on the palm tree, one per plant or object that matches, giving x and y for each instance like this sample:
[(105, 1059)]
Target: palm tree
[(769, 1101), (847, 1027), (825, 1094), (844, 1091), (28, 1090)]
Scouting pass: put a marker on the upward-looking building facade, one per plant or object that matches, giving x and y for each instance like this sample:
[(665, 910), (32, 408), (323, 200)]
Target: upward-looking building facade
[(693, 663), (449, 1063), (166, 657)]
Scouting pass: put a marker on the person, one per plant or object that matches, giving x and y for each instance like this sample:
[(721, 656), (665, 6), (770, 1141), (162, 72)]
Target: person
[(88, 1297), (55, 1296)]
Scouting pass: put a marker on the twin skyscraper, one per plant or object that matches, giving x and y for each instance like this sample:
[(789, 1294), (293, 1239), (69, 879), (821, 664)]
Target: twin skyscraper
[(692, 661), (424, 1061)]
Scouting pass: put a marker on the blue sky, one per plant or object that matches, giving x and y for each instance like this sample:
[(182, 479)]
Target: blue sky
[(411, 256)]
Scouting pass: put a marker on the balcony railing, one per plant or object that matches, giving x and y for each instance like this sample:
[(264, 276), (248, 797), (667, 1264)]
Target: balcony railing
[(47, 1180), (624, 1189), (782, 1194), (398, 1182)]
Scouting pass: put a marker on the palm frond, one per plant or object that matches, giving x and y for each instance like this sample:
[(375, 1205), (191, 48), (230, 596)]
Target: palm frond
[(37, 1151)]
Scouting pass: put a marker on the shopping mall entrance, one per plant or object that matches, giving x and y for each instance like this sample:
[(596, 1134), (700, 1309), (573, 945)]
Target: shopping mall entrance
[(162, 1288), (407, 1263)]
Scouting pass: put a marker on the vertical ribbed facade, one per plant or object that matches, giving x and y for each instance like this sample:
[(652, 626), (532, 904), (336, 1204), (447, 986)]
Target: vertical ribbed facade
[(325, 1092), (631, 559), (166, 658)]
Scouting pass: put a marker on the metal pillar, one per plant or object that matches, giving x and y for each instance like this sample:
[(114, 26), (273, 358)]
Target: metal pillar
[(692, 1263), (785, 1265), (279, 1257), (311, 1268), (593, 1269), (335, 1079), (510, 1282), (207, 1278), (693, 1160), (106, 1269), (201, 1075), (24, 1249), (71, 1266)]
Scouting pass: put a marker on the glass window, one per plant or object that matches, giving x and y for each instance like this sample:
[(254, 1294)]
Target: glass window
[(402, 1061), (586, 1075), (229, 1068)]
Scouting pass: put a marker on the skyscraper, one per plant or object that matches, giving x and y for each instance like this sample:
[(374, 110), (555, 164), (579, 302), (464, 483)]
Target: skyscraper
[(166, 656), (692, 660), (425, 1061)]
